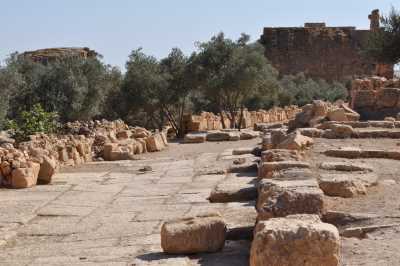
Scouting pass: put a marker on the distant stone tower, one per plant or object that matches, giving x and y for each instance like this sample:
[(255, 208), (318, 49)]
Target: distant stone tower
[(375, 20)]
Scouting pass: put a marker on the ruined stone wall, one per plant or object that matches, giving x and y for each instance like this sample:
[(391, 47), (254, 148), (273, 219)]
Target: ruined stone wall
[(37, 160), (209, 121), (376, 98), (331, 53), (52, 54)]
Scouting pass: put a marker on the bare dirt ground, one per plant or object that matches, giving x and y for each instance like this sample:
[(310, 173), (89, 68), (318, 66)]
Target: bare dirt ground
[(381, 247), (110, 213)]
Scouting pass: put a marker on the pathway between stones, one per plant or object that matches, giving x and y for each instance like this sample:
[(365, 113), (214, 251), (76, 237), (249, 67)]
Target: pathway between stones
[(110, 213)]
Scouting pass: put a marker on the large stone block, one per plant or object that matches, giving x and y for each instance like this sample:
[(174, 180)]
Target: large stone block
[(197, 137), (388, 97), (299, 240), (267, 169), (47, 170), (295, 141), (24, 177), (205, 233), (279, 198)]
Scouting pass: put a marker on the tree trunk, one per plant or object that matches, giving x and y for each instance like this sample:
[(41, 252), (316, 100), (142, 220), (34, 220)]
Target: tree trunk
[(241, 118), (222, 119)]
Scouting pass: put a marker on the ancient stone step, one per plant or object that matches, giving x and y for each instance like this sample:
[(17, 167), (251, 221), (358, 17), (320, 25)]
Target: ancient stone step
[(223, 136), (295, 174), (362, 231), (354, 153), (345, 166), (234, 189), (266, 169), (346, 185), (278, 155), (338, 218), (195, 137), (295, 240), (279, 198)]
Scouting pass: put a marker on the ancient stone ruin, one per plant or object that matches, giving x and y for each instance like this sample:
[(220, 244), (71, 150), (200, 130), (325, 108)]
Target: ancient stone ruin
[(331, 53), (25, 164), (376, 98), (52, 54), (209, 127)]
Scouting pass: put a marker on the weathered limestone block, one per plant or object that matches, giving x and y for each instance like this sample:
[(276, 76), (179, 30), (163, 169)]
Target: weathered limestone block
[(345, 166), (364, 98), (295, 174), (197, 137), (47, 170), (388, 97), (311, 132), (266, 169), (248, 134), (204, 233), (155, 143), (295, 141), (384, 124), (124, 134), (347, 185), (279, 198), (338, 114), (279, 155), (345, 152), (341, 186), (342, 131), (234, 189), (301, 240), (218, 136), (25, 177)]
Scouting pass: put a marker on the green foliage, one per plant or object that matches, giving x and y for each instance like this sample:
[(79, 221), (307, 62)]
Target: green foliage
[(230, 72), (75, 88), (155, 91), (223, 75), (384, 45), (142, 89), (300, 90), (31, 122)]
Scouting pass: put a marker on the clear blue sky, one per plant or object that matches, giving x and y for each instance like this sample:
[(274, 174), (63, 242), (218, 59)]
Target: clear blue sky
[(116, 27)]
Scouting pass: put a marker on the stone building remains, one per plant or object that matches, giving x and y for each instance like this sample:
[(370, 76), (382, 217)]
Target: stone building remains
[(52, 54), (331, 53)]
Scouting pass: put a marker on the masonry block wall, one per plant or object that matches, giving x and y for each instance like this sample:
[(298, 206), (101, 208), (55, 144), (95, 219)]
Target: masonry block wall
[(331, 53)]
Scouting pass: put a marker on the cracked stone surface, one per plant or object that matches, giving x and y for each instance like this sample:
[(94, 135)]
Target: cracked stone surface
[(110, 213)]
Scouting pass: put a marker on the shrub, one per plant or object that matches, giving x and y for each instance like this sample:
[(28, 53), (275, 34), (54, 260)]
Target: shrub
[(34, 121)]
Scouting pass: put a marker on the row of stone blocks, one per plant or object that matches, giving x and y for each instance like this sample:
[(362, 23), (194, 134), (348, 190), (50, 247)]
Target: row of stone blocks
[(289, 205)]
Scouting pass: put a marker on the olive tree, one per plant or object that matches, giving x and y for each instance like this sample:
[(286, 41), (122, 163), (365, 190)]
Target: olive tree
[(231, 72)]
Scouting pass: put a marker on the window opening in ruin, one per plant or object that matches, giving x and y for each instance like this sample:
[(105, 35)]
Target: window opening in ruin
[(397, 70)]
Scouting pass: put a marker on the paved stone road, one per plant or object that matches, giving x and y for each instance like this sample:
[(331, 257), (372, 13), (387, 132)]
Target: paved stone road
[(111, 213)]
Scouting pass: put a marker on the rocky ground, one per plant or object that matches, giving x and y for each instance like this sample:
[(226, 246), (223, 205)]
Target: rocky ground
[(110, 213)]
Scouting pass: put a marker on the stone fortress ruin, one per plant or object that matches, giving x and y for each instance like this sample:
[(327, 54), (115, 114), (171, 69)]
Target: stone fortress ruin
[(331, 53), (52, 54)]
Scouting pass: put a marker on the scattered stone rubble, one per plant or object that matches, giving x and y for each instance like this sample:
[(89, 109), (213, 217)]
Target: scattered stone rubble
[(319, 112), (291, 192), (36, 161)]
